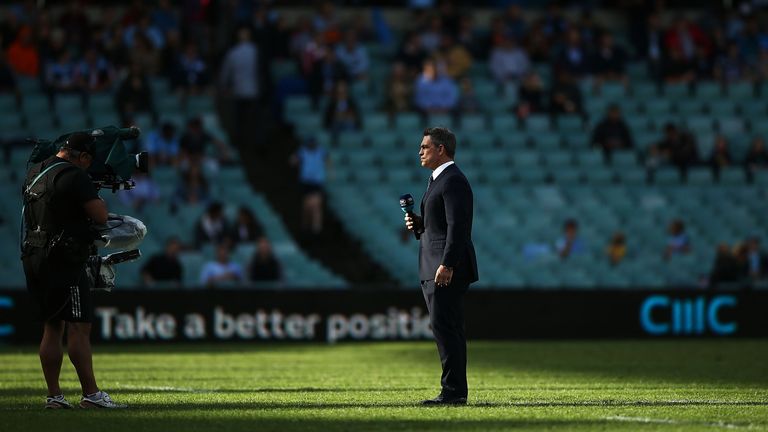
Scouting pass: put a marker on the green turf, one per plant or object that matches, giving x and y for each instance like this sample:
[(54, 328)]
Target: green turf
[(629, 385)]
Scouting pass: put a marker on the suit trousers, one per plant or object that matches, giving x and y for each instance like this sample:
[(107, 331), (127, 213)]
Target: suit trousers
[(446, 315)]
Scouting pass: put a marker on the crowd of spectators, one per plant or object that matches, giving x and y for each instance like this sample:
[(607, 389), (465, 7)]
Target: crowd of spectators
[(216, 232), (123, 50), (679, 148)]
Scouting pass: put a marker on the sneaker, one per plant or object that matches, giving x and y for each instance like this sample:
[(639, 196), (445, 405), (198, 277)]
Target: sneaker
[(99, 399), (57, 402)]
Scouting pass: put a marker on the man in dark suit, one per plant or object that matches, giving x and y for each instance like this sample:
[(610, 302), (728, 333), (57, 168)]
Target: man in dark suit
[(447, 263)]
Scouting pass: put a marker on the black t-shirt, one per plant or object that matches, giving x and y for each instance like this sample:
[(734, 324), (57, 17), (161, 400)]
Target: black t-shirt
[(163, 268), (265, 270), (72, 189)]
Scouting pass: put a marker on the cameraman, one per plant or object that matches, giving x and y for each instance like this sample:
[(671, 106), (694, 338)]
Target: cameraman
[(60, 205)]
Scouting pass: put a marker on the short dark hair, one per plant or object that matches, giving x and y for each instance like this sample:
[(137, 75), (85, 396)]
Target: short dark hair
[(440, 136), (571, 223)]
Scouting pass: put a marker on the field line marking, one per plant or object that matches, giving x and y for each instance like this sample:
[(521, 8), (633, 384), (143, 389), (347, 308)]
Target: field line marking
[(166, 389), (632, 419)]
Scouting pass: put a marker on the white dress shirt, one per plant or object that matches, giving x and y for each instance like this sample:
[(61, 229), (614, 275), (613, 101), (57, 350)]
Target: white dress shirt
[(440, 169)]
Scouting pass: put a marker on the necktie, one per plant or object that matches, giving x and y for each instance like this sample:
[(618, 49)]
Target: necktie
[(429, 183)]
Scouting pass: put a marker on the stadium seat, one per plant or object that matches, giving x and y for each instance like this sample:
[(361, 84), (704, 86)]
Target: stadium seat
[(375, 122), (35, 104), (666, 176), (623, 159), (526, 158), (732, 176), (577, 140), (689, 107), (657, 107), (513, 140), (556, 160), (473, 123), (480, 141), (529, 174), (700, 124), (566, 175), (537, 123), (408, 122), (731, 125), (570, 123), (546, 141), (708, 91), (740, 90), (700, 177), (503, 123), (590, 159), (721, 108), (300, 104), (677, 91), (599, 175), (67, 103), (632, 176), (445, 120)]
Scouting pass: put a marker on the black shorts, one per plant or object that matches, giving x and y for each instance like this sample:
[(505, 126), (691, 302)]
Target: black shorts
[(61, 291), (312, 189)]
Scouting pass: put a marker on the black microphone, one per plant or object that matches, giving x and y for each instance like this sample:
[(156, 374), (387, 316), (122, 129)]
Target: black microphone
[(406, 205)]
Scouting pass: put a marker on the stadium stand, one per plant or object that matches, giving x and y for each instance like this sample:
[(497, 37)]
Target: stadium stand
[(532, 167)]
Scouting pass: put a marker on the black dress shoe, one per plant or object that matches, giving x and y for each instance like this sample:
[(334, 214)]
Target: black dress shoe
[(445, 400)]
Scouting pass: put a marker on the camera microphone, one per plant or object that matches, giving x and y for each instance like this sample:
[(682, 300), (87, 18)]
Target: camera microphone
[(406, 205), (128, 133)]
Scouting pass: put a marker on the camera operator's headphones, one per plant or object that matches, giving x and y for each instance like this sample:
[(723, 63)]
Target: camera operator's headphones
[(81, 142)]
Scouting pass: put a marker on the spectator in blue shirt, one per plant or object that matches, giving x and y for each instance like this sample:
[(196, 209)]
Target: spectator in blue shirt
[(60, 75), (222, 269), (165, 17), (95, 73), (678, 242), (146, 29), (192, 72), (312, 161), (434, 92), (354, 56), (570, 243), (163, 145)]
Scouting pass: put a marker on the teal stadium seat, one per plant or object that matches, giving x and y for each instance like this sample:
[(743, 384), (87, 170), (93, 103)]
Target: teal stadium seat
[(740, 90), (626, 158), (513, 140), (657, 107), (538, 123), (570, 123), (445, 120), (700, 177), (375, 122), (473, 123), (504, 123), (408, 122), (677, 90), (546, 141), (666, 176), (297, 104), (67, 103)]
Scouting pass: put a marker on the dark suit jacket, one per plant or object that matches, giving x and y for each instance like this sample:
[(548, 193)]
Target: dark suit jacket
[(446, 210)]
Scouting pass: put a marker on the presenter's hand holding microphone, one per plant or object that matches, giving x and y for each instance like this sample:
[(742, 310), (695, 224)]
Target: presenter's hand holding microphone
[(413, 221)]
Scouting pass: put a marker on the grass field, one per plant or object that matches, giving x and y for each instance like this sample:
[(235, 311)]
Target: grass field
[(575, 386)]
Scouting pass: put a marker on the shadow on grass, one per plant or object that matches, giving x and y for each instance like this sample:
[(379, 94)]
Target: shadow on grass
[(120, 422), (25, 392)]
